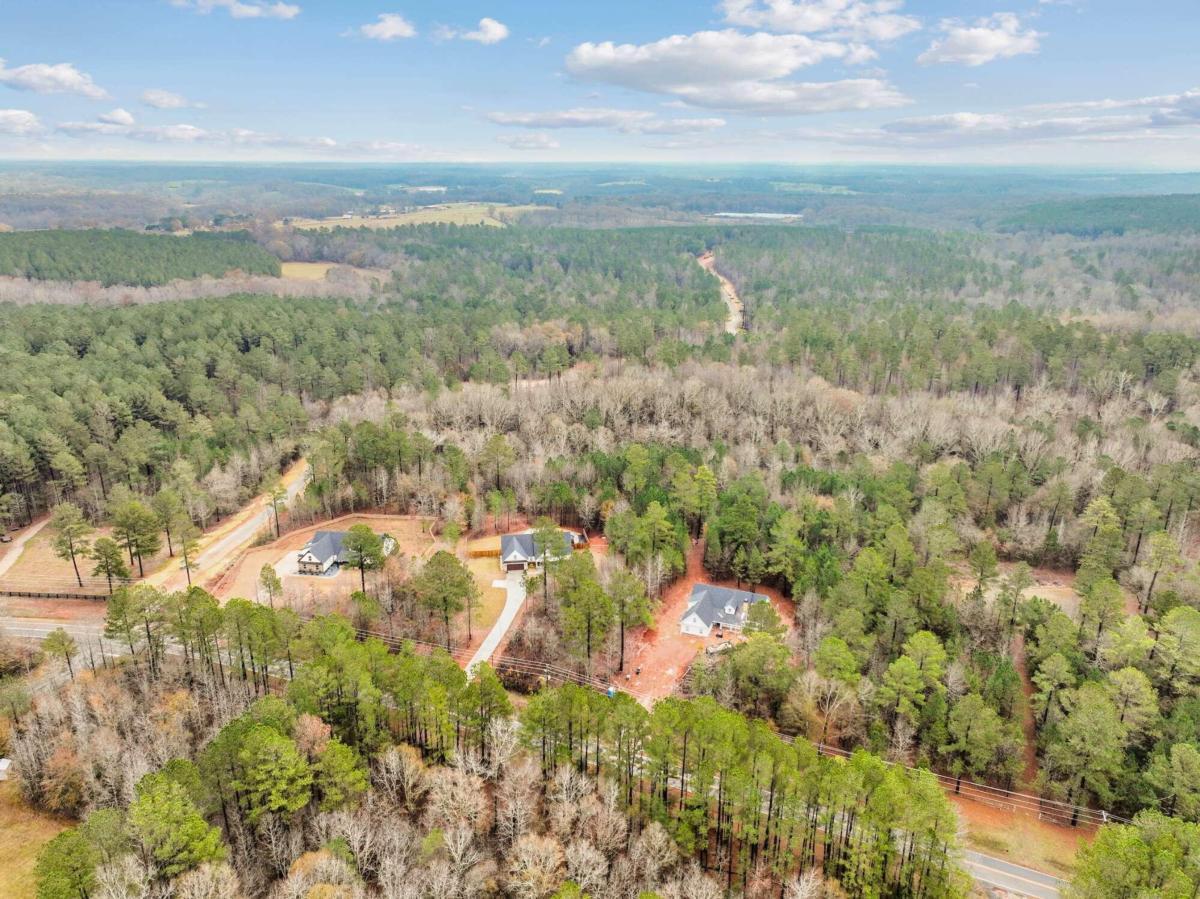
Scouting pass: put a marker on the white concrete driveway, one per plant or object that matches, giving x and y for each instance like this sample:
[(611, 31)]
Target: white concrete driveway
[(514, 585)]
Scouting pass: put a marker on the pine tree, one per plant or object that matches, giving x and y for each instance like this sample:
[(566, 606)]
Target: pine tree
[(172, 831), (70, 531), (59, 642), (109, 561)]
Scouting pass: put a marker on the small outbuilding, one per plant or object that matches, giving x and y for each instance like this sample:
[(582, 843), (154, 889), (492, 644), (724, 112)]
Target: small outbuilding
[(722, 608), (5, 766)]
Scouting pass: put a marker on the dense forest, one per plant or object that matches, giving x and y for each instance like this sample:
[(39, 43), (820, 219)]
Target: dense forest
[(912, 432), (391, 772), (1110, 215), (118, 395), (127, 257)]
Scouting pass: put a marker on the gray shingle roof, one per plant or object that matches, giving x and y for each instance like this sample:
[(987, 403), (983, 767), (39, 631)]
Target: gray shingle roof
[(327, 545), (523, 548), (722, 606)]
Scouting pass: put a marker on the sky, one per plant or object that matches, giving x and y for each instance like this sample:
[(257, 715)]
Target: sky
[(1095, 83)]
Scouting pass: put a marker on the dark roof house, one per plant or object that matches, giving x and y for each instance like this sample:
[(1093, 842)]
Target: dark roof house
[(721, 607), (519, 551), (321, 552)]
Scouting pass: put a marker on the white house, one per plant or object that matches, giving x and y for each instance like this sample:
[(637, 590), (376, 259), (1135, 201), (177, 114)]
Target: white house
[(322, 552), (717, 607)]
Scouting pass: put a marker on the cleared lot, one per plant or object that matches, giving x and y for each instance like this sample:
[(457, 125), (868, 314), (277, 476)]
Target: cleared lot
[(661, 652), (413, 541)]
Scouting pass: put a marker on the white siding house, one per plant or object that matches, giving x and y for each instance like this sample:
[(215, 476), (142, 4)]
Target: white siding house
[(721, 608)]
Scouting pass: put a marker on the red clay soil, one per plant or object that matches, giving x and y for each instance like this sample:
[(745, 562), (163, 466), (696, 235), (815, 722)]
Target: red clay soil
[(661, 652), (1028, 727), (82, 610), (1054, 840)]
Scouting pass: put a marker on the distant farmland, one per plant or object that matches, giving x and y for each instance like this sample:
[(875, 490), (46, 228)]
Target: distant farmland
[(306, 271), (496, 215)]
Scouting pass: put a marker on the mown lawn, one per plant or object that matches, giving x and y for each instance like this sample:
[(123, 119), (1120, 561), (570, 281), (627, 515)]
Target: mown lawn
[(491, 599), (25, 833)]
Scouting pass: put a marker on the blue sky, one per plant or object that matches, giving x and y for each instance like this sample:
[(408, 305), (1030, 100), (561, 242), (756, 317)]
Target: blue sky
[(1070, 82)]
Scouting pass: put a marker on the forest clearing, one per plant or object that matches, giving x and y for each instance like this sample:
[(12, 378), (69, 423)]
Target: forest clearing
[(660, 656), (494, 215), (306, 271), (414, 542)]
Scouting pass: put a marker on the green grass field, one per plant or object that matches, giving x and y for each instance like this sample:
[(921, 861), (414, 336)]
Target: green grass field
[(25, 833)]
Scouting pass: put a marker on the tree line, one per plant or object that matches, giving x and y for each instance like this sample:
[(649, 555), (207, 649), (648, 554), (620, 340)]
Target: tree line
[(127, 257), (366, 754)]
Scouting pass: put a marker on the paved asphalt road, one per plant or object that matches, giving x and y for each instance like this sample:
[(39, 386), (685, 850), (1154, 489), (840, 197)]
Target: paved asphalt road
[(1016, 879), (213, 556)]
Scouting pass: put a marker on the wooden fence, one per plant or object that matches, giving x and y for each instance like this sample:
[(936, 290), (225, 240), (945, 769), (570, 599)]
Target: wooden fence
[(38, 594)]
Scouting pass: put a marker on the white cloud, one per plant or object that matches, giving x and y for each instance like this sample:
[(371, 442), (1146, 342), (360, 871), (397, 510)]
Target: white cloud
[(1164, 110), (969, 127), (177, 134), (706, 57), (580, 117), (729, 70), (191, 134), (228, 143), (800, 97), (536, 141), (248, 138), (866, 20), (489, 31), (679, 126), (242, 9), (1000, 36), (389, 27), (390, 149), (1159, 101), (118, 121), (1162, 117), (118, 116), (18, 121), (98, 127), (41, 78), (161, 99), (627, 121)]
